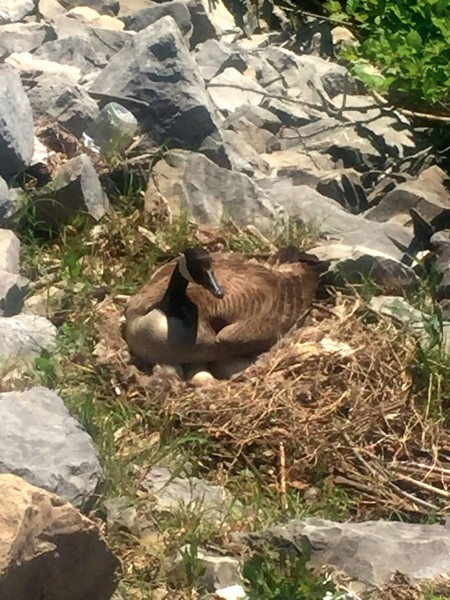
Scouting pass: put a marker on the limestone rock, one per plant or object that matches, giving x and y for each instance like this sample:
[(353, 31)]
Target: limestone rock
[(190, 182), (370, 551), (42, 443), (12, 11), (9, 251), (231, 89), (344, 186), (48, 550), (218, 571), (176, 9), (24, 37), (13, 288), (29, 65), (257, 115), (104, 7), (172, 493), (74, 51), (63, 101), (90, 16), (23, 336), (157, 68), (16, 124), (75, 188), (214, 56)]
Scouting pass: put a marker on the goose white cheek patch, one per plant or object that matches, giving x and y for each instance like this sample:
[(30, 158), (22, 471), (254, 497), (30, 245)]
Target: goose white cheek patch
[(182, 266)]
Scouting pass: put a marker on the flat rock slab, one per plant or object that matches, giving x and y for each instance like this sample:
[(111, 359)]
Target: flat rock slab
[(42, 443), (24, 37), (24, 337), (371, 551), (157, 68), (16, 124), (231, 89), (174, 493), (48, 550)]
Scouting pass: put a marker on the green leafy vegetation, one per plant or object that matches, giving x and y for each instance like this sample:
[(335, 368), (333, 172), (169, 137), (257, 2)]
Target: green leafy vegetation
[(408, 41)]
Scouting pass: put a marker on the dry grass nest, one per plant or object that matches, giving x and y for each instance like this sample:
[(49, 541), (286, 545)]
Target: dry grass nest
[(335, 398)]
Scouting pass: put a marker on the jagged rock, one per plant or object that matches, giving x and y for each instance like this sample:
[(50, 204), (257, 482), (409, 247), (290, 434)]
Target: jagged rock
[(50, 9), (24, 37), (214, 56), (42, 443), (257, 115), (213, 147), (73, 51), (217, 571), (428, 194), (176, 9), (334, 224), (390, 131), (48, 549), (31, 66), (298, 75), (13, 289), (260, 139), (12, 11), (157, 68), (440, 242), (340, 141), (243, 156), (370, 552), (335, 78), (104, 7), (5, 202), (203, 27), (356, 265), (75, 189), (295, 162), (231, 89), (89, 16), (191, 182), (290, 113), (9, 251), (63, 101), (344, 186), (24, 337), (16, 124), (171, 493)]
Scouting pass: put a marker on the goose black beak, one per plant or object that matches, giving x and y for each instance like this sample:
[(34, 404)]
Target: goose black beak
[(212, 285)]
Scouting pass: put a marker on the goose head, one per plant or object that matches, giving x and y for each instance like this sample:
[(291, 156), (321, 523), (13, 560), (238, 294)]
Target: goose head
[(196, 266)]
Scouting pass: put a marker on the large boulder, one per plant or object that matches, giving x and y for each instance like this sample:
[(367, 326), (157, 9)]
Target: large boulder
[(42, 443), (48, 550), (158, 69)]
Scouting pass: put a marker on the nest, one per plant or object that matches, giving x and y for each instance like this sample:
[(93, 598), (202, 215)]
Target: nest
[(332, 400)]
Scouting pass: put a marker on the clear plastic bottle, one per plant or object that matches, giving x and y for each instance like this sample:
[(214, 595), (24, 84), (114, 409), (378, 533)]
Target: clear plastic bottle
[(112, 130)]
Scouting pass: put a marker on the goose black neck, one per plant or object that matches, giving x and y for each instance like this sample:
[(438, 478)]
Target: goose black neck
[(176, 291)]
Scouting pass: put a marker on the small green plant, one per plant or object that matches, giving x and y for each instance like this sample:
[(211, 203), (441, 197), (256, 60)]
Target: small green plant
[(283, 575), (408, 41)]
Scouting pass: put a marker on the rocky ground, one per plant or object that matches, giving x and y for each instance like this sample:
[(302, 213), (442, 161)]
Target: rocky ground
[(128, 130)]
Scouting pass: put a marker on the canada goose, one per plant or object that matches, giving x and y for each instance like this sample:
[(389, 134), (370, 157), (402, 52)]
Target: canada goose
[(203, 308)]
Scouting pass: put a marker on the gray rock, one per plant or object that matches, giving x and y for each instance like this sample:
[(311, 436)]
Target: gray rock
[(339, 140), (9, 251), (13, 289), (390, 131), (290, 113), (260, 140), (75, 190), (344, 186), (257, 115), (176, 9), (158, 69), (73, 51), (231, 89), (12, 11), (243, 156), (190, 182), (372, 551), (213, 147), (427, 194), (335, 78), (50, 9), (214, 56), (24, 37), (31, 66), (217, 571), (5, 202), (104, 7), (16, 124), (358, 265), (204, 29), (298, 74), (24, 337), (42, 443), (64, 102), (334, 224), (440, 242), (294, 162), (171, 494)]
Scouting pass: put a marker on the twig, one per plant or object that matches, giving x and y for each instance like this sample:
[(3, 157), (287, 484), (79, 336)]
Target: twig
[(283, 495)]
